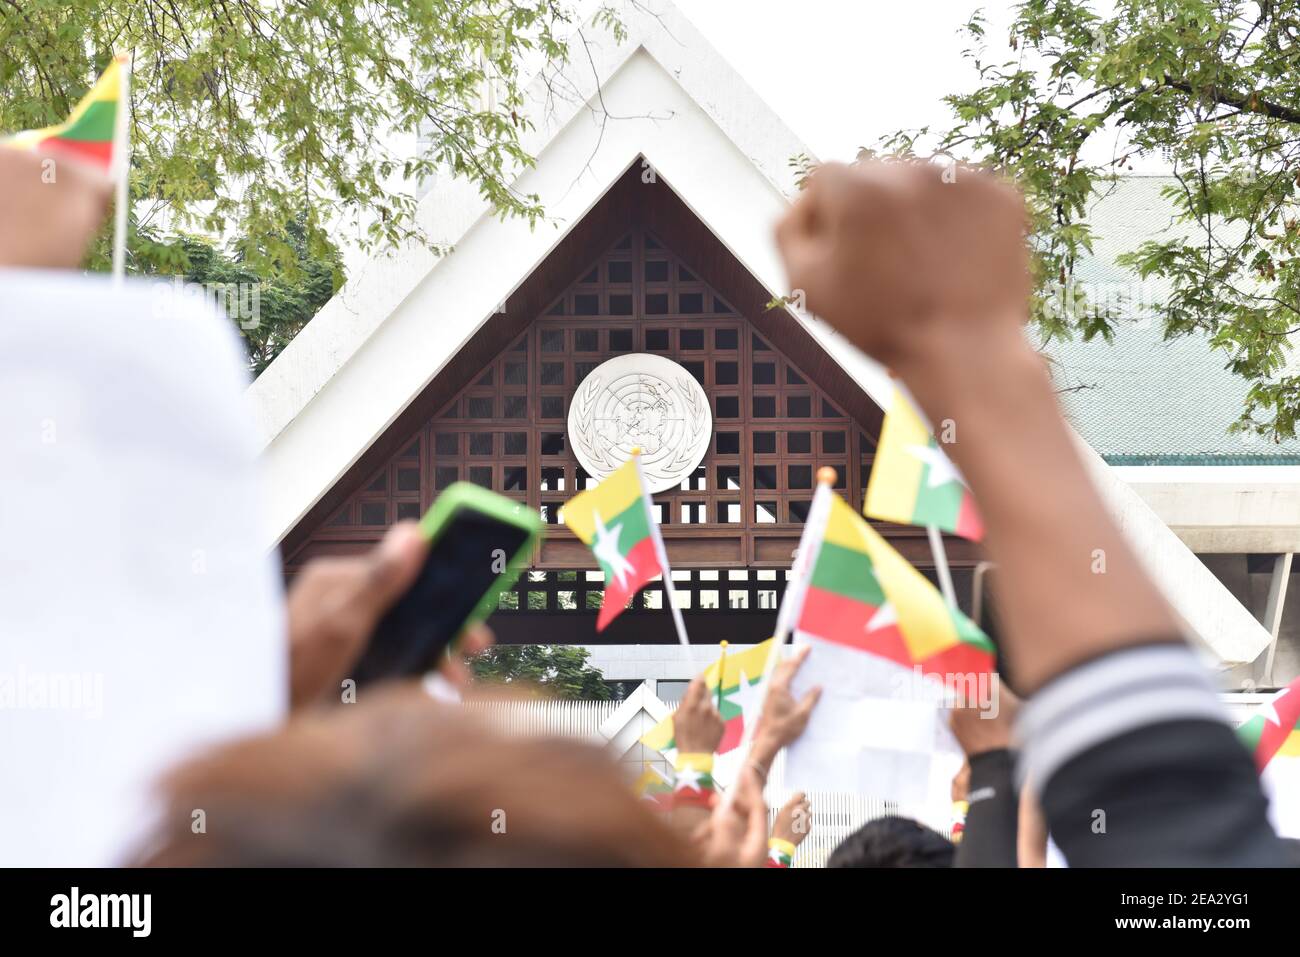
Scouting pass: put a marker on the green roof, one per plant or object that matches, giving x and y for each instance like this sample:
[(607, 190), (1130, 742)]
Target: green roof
[(1142, 400)]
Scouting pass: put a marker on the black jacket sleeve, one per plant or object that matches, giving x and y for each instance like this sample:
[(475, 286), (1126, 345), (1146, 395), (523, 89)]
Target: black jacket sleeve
[(1177, 794), (1139, 767), (992, 819)]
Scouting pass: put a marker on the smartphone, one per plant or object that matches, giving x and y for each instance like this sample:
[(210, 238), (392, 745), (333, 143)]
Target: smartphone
[(479, 542)]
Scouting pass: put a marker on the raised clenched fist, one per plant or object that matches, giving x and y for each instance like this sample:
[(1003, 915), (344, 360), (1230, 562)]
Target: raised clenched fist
[(882, 251)]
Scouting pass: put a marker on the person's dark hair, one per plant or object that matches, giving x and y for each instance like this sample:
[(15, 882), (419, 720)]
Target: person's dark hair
[(893, 842), (399, 780)]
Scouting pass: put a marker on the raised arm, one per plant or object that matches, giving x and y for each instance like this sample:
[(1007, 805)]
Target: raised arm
[(931, 278), (929, 274)]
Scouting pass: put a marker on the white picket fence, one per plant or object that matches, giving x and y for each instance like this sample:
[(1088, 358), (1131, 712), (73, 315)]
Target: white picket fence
[(834, 815), (570, 719)]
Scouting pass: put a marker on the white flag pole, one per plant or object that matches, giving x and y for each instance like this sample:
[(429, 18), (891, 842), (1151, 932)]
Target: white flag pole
[(661, 553), (941, 565), (122, 169), (792, 600)]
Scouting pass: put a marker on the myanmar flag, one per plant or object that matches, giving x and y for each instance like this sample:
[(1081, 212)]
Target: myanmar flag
[(1273, 737), (614, 519), (654, 787), (863, 595), (740, 675), (90, 133), (1275, 730), (913, 482)]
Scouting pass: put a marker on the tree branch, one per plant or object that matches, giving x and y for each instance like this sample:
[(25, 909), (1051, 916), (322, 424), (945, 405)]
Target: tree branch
[(1246, 104)]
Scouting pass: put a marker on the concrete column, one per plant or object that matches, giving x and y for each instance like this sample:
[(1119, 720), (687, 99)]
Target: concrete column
[(1273, 612)]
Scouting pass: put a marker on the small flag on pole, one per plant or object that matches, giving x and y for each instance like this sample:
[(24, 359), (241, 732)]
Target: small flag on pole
[(98, 133), (91, 134), (1273, 737), (735, 684), (864, 595), (1275, 728), (880, 636), (614, 518), (913, 482)]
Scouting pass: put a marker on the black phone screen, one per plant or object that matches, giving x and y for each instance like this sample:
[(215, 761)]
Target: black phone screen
[(462, 565)]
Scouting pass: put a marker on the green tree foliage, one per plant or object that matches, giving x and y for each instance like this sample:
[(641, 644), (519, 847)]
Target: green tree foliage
[(557, 671), (249, 116), (280, 305), (1213, 88)]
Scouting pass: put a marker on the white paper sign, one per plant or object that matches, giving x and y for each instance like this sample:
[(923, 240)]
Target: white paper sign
[(140, 618), (876, 731)]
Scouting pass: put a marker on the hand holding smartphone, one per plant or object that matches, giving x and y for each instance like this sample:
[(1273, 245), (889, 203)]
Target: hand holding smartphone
[(479, 543)]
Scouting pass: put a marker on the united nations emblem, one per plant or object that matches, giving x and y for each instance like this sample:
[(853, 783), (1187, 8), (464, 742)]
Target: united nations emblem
[(641, 400)]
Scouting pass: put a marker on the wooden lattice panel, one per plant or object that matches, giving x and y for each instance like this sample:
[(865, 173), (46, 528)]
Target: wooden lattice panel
[(506, 430)]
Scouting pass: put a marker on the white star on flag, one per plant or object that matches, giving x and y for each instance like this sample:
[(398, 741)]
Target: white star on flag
[(774, 856), (607, 553), (1269, 709), (688, 778), (942, 471), (886, 616), (748, 698)]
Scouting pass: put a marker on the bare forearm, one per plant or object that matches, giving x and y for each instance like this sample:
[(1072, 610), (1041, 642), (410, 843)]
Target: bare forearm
[(1069, 587), (930, 274), (764, 750)]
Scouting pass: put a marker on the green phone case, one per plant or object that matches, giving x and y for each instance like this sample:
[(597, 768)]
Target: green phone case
[(465, 495)]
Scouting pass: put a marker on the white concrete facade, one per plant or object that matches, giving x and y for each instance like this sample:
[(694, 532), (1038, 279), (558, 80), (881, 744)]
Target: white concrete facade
[(1223, 508), (655, 662)]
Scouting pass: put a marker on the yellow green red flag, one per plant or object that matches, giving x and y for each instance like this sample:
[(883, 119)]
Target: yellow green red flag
[(1275, 730), (738, 678), (652, 786), (913, 482), (614, 519), (862, 594), (90, 132)]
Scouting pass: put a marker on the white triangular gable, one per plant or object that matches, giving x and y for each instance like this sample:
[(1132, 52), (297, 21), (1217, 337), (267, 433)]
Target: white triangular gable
[(671, 104)]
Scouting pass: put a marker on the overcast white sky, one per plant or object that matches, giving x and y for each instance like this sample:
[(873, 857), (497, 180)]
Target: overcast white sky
[(843, 72)]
